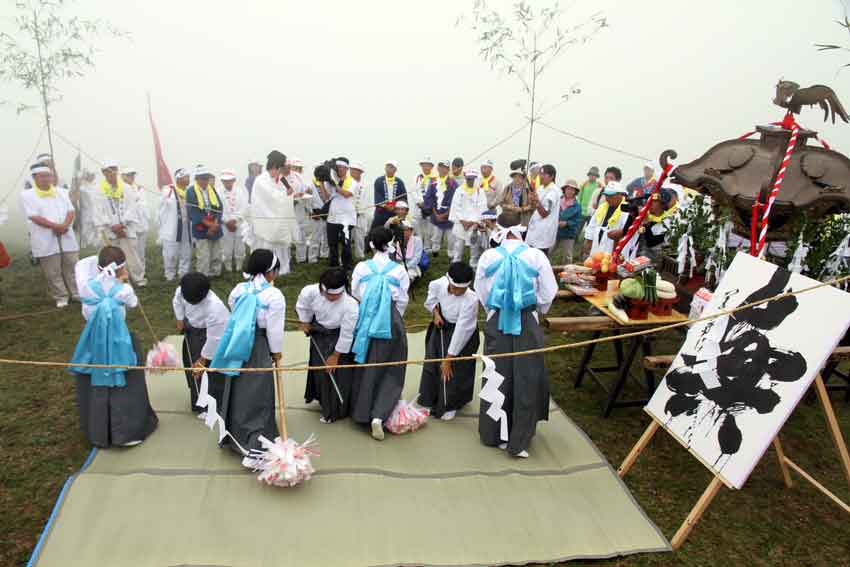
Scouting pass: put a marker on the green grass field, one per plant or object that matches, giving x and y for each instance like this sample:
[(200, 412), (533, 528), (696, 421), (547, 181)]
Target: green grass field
[(762, 525)]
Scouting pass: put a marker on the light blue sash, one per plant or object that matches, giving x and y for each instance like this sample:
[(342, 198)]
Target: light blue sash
[(105, 339), (513, 288), (237, 342), (374, 321)]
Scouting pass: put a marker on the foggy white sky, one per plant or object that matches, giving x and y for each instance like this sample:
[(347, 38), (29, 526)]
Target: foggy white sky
[(378, 80)]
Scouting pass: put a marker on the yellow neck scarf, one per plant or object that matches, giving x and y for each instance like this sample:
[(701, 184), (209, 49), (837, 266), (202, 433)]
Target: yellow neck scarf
[(49, 192), (468, 189), (181, 192), (485, 182), (111, 192), (602, 210), (200, 197), (426, 179), (346, 183), (443, 181), (664, 215)]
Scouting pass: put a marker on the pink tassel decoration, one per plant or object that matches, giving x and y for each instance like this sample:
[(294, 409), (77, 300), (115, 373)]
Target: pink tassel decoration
[(406, 417), (163, 355), (284, 463)]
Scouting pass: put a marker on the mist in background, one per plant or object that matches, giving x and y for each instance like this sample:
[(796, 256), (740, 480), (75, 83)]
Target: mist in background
[(383, 80)]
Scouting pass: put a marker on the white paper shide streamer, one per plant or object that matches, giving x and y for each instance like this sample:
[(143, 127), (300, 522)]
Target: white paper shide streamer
[(490, 393)]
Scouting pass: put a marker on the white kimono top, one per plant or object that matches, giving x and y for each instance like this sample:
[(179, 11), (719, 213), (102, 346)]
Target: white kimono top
[(543, 232), (273, 316), (271, 214), (466, 207), (399, 293), (210, 314), (462, 311), (340, 314), (43, 241)]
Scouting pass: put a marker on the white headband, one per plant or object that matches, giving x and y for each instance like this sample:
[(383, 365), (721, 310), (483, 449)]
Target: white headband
[(454, 283), (334, 291), (112, 269), (502, 232)]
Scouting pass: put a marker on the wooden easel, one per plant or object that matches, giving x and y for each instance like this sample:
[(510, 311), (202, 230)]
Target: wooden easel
[(785, 465)]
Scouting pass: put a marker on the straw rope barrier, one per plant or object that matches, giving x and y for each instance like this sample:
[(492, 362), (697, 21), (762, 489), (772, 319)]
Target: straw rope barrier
[(542, 350)]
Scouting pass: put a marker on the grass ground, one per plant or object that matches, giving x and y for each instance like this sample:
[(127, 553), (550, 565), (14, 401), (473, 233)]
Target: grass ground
[(762, 525)]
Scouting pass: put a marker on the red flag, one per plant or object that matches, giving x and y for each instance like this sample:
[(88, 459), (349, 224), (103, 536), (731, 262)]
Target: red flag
[(163, 174)]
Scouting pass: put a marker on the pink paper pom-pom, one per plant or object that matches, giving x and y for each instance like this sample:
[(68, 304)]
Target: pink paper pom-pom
[(162, 355), (284, 463), (406, 417)]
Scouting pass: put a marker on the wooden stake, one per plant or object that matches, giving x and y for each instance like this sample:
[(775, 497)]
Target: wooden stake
[(832, 425), (818, 485), (281, 401), (637, 449), (780, 455), (696, 512)]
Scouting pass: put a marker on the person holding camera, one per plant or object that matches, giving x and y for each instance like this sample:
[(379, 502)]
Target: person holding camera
[(608, 223)]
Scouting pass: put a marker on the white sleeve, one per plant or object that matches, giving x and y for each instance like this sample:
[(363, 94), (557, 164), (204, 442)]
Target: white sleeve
[(467, 322), (216, 324), (275, 321), (234, 295), (402, 298), (346, 327), (177, 304), (482, 283), (547, 285), (457, 204), (433, 296), (356, 276), (304, 305), (592, 227), (127, 295), (27, 203)]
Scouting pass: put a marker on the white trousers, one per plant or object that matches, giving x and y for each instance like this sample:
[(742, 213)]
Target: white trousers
[(359, 235), (422, 227), (476, 248), (130, 246), (176, 258), (438, 235), (280, 249), (141, 248), (319, 239), (209, 257), (232, 250), (59, 273)]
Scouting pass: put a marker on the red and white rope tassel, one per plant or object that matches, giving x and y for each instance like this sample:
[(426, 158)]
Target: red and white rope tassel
[(788, 123)]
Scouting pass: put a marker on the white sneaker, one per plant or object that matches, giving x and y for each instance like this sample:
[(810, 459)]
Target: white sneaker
[(131, 443), (323, 420), (377, 429), (522, 455), (61, 303), (249, 462), (448, 416), (503, 446)]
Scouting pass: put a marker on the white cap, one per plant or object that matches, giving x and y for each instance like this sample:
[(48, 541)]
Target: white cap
[(614, 188), (108, 164), (402, 205), (128, 171), (227, 175), (487, 163), (534, 165), (470, 172), (295, 162), (427, 159), (180, 172), (391, 162), (202, 170), (516, 172), (357, 165)]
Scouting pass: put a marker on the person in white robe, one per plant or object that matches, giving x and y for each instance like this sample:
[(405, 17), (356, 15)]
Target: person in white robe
[(235, 202), (305, 251), (50, 218), (543, 226), (361, 204), (129, 177), (468, 204), (118, 219), (174, 227), (270, 222), (416, 198), (88, 196)]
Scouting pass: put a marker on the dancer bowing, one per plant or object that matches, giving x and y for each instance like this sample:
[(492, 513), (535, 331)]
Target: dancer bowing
[(201, 317), (381, 287), (253, 339), (513, 283), (328, 315), (448, 386), (113, 403)]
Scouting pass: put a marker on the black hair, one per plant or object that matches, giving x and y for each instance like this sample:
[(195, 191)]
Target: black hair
[(508, 219), (194, 287), (109, 254), (275, 160), (615, 171), (548, 169), (334, 278), (260, 262), (380, 237), (457, 162), (461, 272)]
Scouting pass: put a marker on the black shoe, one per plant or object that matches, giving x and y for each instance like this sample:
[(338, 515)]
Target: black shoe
[(436, 254)]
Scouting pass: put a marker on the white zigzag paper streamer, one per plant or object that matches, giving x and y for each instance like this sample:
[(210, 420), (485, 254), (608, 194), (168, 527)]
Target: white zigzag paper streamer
[(212, 417), (491, 393)]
